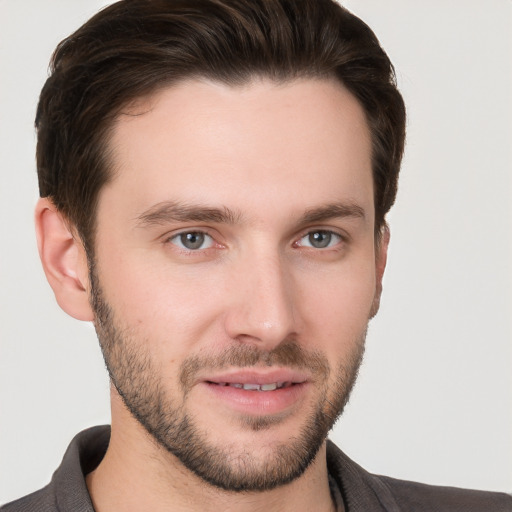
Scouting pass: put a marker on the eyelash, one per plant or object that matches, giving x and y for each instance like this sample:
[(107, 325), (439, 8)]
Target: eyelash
[(177, 240), (178, 237), (330, 233)]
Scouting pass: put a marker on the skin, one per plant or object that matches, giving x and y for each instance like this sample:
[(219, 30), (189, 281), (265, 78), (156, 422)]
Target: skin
[(270, 153)]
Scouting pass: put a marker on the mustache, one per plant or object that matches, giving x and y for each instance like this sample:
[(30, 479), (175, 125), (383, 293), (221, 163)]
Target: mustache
[(288, 354)]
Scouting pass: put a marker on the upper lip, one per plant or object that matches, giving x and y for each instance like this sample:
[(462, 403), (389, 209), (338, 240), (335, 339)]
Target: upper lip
[(258, 376)]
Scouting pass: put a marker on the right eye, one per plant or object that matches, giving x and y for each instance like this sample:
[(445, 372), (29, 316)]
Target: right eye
[(192, 240)]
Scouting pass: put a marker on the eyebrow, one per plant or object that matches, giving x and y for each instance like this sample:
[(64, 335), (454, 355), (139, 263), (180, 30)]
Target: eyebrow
[(332, 211), (171, 211)]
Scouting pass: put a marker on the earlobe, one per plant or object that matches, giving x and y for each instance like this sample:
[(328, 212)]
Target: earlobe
[(381, 255), (64, 261)]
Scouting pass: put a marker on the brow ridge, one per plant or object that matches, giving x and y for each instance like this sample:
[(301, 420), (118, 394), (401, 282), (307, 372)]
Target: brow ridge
[(173, 211), (333, 210)]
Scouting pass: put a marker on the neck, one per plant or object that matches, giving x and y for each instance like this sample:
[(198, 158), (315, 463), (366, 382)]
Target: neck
[(138, 474)]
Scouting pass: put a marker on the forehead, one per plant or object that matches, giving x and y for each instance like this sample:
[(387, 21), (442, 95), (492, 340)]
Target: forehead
[(292, 144)]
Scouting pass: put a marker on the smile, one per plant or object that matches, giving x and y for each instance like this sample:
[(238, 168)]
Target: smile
[(256, 387)]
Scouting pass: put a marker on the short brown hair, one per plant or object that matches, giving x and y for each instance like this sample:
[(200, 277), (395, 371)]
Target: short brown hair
[(134, 47)]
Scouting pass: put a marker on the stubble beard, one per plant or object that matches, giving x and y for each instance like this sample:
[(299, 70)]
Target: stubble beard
[(137, 379)]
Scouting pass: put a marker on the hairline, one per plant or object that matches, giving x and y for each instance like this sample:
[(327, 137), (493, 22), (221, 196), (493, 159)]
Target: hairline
[(106, 150)]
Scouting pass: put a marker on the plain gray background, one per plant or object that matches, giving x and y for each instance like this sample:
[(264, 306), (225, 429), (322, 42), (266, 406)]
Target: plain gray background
[(434, 398)]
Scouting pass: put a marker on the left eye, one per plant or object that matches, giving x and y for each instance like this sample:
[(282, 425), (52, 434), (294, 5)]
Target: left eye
[(321, 239), (192, 240)]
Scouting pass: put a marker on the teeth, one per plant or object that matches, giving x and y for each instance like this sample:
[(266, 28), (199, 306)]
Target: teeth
[(251, 387), (257, 387)]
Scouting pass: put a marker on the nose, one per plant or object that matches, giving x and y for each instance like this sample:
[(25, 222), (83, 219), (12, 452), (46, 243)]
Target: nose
[(262, 309)]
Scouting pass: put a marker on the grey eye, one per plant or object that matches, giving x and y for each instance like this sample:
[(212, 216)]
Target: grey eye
[(320, 239), (192, 240)]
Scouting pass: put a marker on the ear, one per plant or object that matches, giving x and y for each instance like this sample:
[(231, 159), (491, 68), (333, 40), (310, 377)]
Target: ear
[(64, 260), (381, 256)]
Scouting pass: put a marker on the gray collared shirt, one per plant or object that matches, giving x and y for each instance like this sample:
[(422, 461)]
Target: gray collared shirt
[(358, 490)]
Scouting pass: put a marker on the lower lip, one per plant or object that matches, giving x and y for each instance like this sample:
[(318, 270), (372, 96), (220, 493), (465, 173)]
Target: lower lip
[(258, 402)]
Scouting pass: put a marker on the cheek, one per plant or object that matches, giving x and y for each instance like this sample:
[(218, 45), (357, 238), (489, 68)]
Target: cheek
[(339, 304), (170, 308)]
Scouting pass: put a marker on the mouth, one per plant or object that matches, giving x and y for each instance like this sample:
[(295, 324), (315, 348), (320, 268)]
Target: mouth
[(272, 386), (257, 391), (258, 379)]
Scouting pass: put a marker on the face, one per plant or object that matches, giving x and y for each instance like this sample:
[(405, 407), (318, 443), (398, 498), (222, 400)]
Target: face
[(235, 272)]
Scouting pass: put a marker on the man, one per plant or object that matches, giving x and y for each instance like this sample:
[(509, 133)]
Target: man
[(215, 178)]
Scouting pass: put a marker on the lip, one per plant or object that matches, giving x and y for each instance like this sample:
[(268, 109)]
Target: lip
[(255, 402), (257, 376)]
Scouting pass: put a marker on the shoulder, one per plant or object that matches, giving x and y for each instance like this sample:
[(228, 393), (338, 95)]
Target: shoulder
[(426, 498), (39, 501), (383, 493), (67, 490)]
